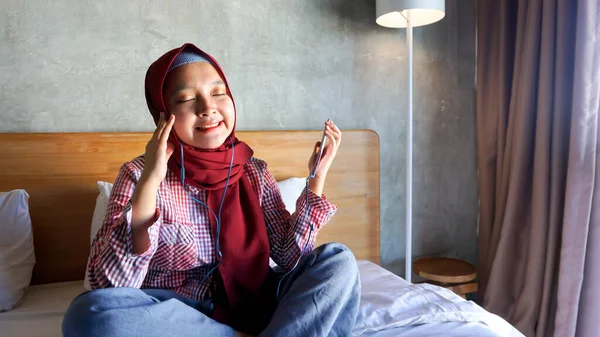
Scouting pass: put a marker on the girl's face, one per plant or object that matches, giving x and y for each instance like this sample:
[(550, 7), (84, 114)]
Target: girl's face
[(197, 96)]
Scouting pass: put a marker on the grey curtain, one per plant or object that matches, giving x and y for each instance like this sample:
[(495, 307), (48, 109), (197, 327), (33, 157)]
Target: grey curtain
[(537, 145), (578, 312)]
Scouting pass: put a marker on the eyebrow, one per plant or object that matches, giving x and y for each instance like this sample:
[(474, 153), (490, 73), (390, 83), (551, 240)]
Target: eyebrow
[(213, 83)]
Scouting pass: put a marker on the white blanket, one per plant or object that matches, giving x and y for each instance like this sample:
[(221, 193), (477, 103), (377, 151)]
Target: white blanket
[(389, 302)]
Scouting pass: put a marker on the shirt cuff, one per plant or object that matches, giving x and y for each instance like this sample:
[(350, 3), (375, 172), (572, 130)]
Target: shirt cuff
[(320, 207)]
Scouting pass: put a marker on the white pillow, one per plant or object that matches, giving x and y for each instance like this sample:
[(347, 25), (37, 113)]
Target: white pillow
[(17, 256), (104, 189), (290, 191)]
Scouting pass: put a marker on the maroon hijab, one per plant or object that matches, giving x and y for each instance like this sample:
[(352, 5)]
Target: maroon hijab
[(241, 296)]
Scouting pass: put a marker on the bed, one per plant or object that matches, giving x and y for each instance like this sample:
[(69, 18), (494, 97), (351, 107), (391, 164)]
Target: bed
[(60, 172)]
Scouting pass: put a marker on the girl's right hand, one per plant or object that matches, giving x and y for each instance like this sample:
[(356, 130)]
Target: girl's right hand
[(158, 152)]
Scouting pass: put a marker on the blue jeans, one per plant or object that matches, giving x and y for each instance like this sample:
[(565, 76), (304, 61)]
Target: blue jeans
[(319, 298)]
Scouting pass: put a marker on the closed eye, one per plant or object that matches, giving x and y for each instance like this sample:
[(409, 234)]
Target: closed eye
[(185, 100)]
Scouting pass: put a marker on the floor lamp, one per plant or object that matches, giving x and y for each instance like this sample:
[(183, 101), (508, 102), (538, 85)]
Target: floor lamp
[(408, 14)]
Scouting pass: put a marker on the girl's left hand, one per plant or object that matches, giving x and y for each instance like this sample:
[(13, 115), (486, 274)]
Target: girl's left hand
[(334, 138)]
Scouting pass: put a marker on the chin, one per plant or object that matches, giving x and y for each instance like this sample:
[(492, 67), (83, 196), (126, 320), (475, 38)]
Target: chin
[(209, 144)]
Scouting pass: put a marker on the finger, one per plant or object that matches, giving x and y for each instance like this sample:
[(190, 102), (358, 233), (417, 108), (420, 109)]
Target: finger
[(336, 130), (330, 137), (159, 126), (165, 122), (337, 137), (330, 130), (167, 129), (170, 150), (156, 132)]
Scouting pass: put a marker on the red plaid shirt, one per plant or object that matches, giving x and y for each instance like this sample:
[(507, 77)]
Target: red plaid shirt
[(182, 249)]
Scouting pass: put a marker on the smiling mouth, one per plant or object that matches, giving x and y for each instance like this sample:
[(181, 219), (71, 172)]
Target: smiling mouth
[(208, 126)]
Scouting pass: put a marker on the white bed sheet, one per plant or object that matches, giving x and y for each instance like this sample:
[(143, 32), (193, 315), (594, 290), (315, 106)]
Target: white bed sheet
[(448, 329), (43, 309), (42, 312)]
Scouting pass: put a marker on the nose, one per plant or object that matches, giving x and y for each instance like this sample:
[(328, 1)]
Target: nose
[(207, 113), (205, 108)]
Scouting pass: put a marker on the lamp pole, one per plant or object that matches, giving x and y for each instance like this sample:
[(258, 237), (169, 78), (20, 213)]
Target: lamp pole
[(409, 151)]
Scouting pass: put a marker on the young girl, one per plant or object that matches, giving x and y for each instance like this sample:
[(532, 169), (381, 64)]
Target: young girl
[(184, 249)]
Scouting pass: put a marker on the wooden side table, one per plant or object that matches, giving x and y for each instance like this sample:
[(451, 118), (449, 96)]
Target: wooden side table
[(456, 275)]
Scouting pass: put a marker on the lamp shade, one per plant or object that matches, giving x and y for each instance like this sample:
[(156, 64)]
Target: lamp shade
[(393, 13)]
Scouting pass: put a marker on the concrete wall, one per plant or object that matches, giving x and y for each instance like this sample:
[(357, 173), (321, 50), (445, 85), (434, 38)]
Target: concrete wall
[(79, 66)]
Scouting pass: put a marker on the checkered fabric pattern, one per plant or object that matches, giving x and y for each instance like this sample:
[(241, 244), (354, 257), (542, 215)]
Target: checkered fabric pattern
[(182, 248)]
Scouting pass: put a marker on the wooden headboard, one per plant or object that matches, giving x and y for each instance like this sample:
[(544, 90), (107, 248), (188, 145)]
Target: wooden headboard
[(60, 171)]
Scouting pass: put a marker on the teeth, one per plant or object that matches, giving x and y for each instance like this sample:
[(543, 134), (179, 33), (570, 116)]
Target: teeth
[(209, 126)]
